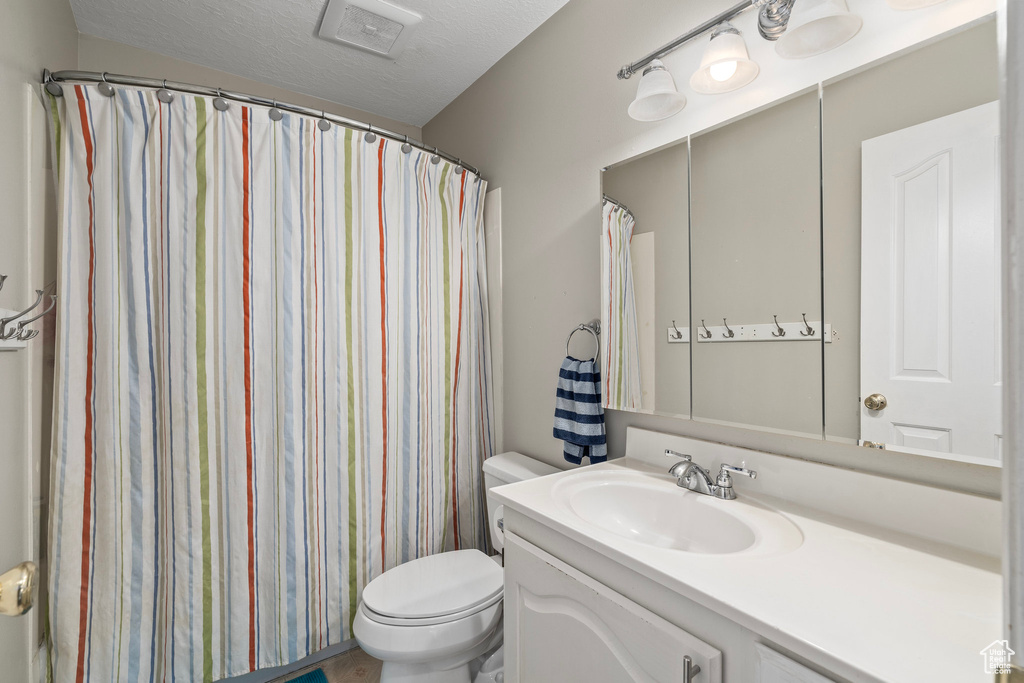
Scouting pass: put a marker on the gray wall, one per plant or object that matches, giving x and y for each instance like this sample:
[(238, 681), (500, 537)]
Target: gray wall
[(655, 187), (954, 74), (756, 252), (36, 34)]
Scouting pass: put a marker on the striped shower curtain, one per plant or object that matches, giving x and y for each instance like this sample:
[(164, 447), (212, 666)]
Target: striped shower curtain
[(620, 350), (273, 381)]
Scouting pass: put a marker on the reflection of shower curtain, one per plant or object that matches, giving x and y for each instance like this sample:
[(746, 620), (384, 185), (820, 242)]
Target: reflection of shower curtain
[(618, 312), (273, 381)]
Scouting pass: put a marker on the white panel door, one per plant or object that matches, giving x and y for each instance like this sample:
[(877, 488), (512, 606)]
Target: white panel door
[(930, 286)]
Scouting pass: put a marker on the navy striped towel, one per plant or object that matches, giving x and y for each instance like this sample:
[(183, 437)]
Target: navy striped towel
[(579, 417)]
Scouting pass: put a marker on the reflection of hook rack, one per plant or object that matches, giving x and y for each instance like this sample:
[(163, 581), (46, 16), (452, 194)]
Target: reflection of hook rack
[(14, 336), (676, 333), (775, 331), (781, 332), (809, 331)]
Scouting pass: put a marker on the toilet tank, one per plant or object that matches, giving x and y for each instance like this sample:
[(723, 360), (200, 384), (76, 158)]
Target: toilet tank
[(508, 468)]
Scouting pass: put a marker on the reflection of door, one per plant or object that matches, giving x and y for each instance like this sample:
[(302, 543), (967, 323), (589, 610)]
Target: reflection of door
[(930, 285)]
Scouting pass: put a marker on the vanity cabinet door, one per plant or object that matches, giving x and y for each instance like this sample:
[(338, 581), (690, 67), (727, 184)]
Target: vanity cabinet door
[(561, 625)]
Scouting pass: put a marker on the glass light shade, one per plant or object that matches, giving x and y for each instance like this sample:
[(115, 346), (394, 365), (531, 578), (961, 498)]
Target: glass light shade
[(912, 4), (817, 26), (726, 52), (656, 96)]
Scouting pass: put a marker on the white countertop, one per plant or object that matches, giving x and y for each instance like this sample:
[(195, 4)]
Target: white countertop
[(885, 606)]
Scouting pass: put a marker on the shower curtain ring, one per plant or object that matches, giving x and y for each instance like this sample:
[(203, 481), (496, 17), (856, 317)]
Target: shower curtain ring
[(104, 87), (165, 95), (219, 103), (406, 147)]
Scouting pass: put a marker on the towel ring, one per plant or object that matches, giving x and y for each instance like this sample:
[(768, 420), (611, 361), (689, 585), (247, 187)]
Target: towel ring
[(593, 330)]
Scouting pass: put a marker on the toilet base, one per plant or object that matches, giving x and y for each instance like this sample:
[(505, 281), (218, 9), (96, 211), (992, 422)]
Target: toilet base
[(486, 667), (398, 672)]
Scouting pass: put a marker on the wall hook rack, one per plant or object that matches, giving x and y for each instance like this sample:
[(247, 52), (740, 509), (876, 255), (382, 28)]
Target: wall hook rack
[(14, 332), (773, 331)]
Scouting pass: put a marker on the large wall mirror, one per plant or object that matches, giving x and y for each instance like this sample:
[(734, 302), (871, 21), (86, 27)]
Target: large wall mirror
[(645, 237), (756, 266), (827, 266), (910, 189)]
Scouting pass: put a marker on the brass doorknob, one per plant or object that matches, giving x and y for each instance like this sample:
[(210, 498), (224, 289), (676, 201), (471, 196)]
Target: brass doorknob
[(875, 402), (18, 589)]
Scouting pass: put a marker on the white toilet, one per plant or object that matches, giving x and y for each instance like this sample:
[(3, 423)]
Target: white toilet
[(438, 619)]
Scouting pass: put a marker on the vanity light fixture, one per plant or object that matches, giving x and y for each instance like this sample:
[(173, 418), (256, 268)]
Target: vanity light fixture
[(656, 96), (726, 65), (817, 26), (802, 29)]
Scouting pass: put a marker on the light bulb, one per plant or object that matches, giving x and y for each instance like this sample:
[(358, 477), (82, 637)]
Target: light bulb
[(722, 71)]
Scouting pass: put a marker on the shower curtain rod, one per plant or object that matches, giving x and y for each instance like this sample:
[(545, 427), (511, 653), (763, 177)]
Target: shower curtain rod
[(52, 82), (617, 203)]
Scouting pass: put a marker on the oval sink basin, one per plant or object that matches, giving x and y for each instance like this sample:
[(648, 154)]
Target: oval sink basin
[(653, 511)]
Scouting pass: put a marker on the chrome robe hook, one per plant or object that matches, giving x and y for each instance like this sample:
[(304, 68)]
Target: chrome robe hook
[(781, 332), (728, 334), (702, 335), (809, 331), (4, 322), (678, 334), (24, 335)]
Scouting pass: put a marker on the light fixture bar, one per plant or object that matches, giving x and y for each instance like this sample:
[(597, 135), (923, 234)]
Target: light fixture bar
[(771, 24), (630, 69)]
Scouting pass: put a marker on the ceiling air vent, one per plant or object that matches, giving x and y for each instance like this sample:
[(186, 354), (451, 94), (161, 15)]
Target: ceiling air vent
[(370, 25)]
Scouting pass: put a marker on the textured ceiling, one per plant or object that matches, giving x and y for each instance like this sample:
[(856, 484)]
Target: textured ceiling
[(274, 41)]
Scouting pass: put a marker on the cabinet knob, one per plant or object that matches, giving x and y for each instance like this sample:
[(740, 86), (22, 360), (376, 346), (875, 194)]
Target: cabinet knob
[(875, 402)]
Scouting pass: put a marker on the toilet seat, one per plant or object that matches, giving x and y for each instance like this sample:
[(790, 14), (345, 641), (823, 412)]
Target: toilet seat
[(435, 589), (429, 621)]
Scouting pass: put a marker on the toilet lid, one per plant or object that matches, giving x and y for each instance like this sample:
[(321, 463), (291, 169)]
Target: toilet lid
[(436, 585)]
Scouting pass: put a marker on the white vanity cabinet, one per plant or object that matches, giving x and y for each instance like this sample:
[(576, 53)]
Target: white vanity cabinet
[(612, 573), (561, 625)]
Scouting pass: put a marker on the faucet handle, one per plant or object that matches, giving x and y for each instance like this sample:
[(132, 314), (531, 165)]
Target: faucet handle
[(675, 454), (723, 474), (674, 470)]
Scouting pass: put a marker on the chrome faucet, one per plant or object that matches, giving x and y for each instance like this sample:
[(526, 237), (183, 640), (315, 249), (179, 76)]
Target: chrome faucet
[(691, 476)]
